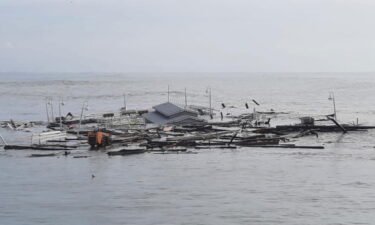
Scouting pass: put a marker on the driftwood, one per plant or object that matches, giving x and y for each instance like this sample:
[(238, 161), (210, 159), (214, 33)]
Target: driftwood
[(306, 133), (81, 156), (215, 147), (43, 155), (257, 142), (320, 128), (127, 152), (176, 152), (66, 153), (173, 149), (289, 146), (39, 147)]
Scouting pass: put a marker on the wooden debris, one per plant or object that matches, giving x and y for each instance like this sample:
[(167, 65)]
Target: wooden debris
[(176, 152), (43, 155), (288, 146), (127, 152), (226, 132), (39, 147)]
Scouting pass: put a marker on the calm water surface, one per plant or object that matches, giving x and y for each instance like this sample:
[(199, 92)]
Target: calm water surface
[(243, 186)]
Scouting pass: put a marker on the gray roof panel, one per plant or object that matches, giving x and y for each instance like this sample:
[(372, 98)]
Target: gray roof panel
[(168, 109), (184, 117), (156, 118)]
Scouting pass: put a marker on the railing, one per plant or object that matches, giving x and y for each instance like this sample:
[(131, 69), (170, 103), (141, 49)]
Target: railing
[(122, 121), (3, 141), (45, 136)]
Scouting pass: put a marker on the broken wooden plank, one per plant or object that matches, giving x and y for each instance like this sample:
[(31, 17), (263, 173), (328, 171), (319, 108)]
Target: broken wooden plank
[(288, 146)]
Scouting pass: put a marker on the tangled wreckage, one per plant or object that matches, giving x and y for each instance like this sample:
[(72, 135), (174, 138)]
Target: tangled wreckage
[(170, 129)]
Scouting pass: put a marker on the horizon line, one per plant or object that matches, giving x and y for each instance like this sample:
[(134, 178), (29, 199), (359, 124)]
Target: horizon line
[(181, 72)]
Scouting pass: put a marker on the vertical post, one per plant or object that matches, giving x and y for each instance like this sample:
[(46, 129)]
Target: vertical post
[(51, 104), (168, 92), (334, 105), (210, 102), (60, 118), (256, 114), (185, 99), (80, 118), (47, 110), (124, 101), (332, 97)]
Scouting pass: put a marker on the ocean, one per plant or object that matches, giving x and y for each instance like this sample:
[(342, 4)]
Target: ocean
[(334, 185)]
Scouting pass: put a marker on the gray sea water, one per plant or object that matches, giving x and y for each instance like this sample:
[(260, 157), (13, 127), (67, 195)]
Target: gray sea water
[(335, 185)]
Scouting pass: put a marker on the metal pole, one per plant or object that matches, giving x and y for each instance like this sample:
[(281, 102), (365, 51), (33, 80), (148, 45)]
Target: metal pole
[(210, 102), (168, 93), (185, 99), (334, 105), (80, 118), (47, 110), (60, 119), (124, 101), (51, 104)]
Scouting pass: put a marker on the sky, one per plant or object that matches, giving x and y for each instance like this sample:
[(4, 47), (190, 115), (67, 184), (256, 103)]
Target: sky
[(187, 36)]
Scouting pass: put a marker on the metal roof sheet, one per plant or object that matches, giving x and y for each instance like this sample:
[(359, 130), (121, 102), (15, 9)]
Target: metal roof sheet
[(168, 109), (156, 118)]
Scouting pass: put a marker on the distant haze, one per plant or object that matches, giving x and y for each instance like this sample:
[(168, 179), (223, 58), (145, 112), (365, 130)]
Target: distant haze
[(187, 35)]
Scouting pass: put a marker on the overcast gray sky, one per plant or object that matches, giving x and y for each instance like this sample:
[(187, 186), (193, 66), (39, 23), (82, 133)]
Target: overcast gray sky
[(187, 35)]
